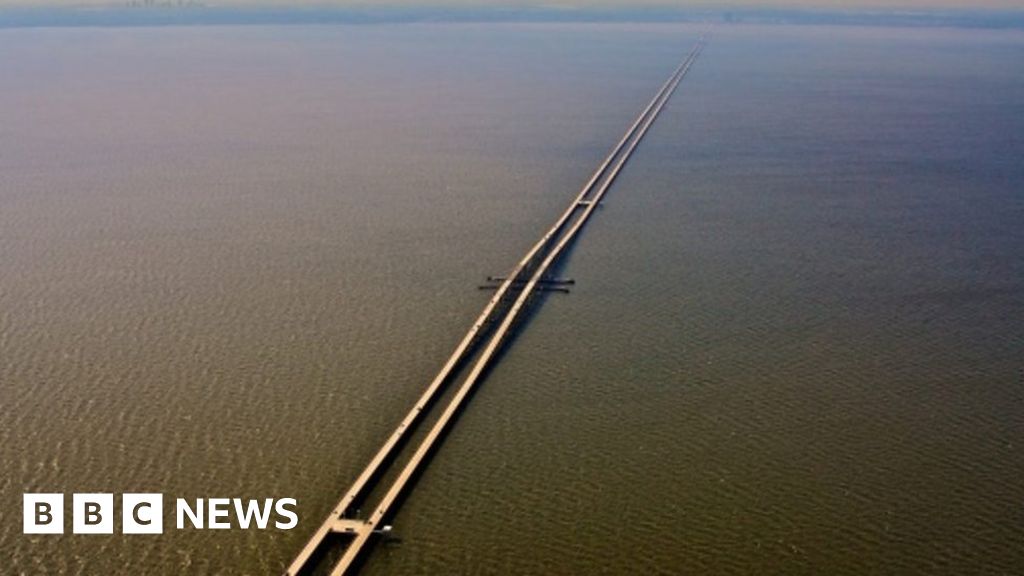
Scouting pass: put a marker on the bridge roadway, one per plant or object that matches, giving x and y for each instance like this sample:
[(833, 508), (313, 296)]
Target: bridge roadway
[(526, 277)]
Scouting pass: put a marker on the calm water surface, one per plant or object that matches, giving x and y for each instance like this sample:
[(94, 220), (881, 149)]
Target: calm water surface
[(230, 258)]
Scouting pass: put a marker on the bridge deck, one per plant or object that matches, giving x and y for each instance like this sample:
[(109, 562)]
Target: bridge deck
[(502, 309)]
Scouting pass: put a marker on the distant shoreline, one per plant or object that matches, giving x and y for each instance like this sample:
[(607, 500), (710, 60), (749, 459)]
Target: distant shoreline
[(194, 14)]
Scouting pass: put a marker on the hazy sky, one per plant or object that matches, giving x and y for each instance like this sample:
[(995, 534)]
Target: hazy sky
[(1019, 4)]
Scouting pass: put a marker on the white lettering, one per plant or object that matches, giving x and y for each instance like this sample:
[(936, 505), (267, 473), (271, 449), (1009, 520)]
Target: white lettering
[(185, 510), (282, 510), (253, 510), (218, 508)]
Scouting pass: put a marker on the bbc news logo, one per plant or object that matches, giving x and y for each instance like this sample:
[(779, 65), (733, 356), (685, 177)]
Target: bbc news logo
[(144, 513)]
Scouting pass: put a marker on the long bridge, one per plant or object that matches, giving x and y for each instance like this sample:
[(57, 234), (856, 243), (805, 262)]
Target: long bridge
[(337, 545)]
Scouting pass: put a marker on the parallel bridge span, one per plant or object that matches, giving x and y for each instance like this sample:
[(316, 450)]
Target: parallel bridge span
[(481, 343)]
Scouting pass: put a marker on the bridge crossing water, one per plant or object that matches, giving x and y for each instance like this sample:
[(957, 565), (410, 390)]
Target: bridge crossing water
[(344, 533)]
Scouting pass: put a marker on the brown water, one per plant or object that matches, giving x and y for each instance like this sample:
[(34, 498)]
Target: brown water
[(230, 258)]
